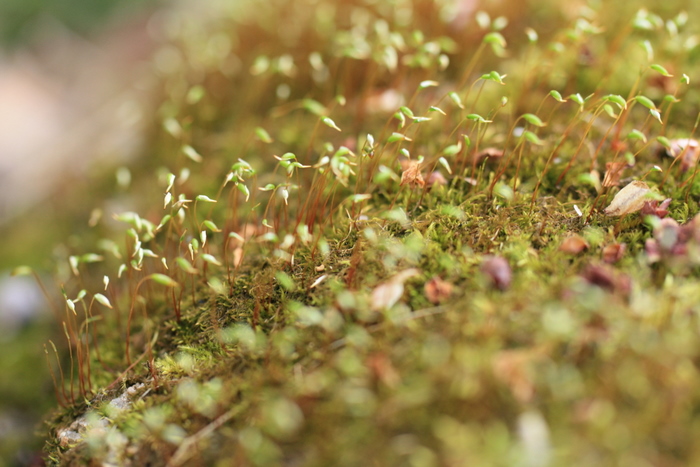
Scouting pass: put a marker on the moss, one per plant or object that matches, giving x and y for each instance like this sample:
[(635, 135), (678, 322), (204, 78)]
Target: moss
[(300, 327)]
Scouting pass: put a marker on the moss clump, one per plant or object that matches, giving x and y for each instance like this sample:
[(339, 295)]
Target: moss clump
[(362, 253)]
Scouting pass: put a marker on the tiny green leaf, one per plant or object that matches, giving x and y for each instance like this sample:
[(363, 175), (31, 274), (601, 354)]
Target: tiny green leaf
[(173, 127), (166, 218), (578, 99), (185, 265), (532, 138), (285, 281), (660, 69), (102, 300), (609, 110), (406, 111), (456, 99), (91, 258), (191, 153), (210, 259), (195, 94), (646, 45), (504, 191), (557, 96), (330, 123), (356, 198), (263, 135), (452, 149), (616, 99), (533, 119), (162, 279), (211, 226), (397, 137), (314, 107), (499, 23), (645, 101), (445, 164), (636, 134), (532, 35), (483, 19), (478, 118), (495, 38)]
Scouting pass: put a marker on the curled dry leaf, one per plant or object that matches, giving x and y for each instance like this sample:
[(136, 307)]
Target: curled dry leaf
[(614, 252), (618, 145), (488, 154), (388, 293), (613, 172), (628, 200), (653, 208), (607, 278), (411, 175), (437, 290), (237, 257), (573, 244), (436, 178), (498, 271), (687, 149)]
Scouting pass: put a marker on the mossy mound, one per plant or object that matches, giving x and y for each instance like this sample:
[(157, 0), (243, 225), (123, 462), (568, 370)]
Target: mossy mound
[(374, 232)]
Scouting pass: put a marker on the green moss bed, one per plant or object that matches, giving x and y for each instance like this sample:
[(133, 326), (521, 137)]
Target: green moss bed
[(381, 233)]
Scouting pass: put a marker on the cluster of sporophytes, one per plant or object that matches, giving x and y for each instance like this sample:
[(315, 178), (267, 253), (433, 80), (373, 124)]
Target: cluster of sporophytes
[(397, 232)]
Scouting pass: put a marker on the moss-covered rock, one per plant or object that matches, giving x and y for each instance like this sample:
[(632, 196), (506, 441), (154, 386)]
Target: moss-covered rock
[(374, 232)]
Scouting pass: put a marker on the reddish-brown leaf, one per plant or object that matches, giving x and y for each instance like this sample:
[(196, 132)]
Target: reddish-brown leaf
[(437, 290), (614, 252), (411, 175), (573, 244), (613, 172), (498, 271)]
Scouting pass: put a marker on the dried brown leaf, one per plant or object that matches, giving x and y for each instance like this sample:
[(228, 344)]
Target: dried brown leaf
[(436, 178), (573, 244), (388, 293), (628, 200), (613, 173), (488, 154), (614, 252), (411, 175), (498, 271), (607, 278), (653, 208), (437, 290)]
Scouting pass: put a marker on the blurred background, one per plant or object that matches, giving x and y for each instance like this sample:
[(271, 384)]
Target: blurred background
[(73, 102)]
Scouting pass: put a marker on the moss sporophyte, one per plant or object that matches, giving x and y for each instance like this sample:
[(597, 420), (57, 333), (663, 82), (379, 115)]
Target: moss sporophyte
[(395, 231)]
